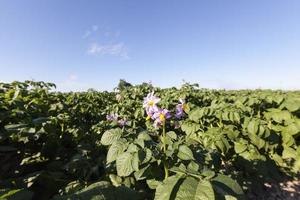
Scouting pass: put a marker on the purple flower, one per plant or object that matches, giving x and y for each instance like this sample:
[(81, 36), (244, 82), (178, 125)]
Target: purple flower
[(179, 114), (150, 103), (112, 117), (180, 108), (122, 122), (160, 116)]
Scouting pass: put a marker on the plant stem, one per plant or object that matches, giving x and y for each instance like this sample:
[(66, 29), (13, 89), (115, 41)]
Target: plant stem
[(165, 149)]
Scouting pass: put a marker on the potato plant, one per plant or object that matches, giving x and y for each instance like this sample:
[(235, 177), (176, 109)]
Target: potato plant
[(144, 142)]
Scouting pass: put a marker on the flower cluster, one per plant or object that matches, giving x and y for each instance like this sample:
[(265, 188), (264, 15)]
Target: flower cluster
[(115, 118), (160, 115), (155, 113)]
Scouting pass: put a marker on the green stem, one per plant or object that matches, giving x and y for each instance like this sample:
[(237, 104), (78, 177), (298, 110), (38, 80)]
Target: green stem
[(165, 149)]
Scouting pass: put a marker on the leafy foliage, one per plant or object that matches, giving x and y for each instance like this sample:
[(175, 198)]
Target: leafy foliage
[(62, 146)]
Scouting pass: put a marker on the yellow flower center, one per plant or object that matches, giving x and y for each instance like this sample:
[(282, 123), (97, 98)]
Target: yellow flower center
[(184, 107), (162, 117), (151, 103), (148, 117)]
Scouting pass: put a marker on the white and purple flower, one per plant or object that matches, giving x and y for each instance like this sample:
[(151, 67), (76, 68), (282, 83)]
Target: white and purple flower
[(150, 104), (112, 117), (115, 118), (160, 116), (122, 122), (180, 109)]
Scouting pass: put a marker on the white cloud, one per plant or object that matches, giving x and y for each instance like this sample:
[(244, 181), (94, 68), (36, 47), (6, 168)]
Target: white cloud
[(117, 49), (88, 32), (109, 46)]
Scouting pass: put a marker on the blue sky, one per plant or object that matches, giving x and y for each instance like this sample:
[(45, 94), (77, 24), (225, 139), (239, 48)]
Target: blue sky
[(83, 44)]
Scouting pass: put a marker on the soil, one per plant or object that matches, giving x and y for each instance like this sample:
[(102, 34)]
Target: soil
[(283, 190)]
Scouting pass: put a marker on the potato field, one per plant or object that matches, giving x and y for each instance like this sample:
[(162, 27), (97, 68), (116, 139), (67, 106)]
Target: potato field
[(143, 142)]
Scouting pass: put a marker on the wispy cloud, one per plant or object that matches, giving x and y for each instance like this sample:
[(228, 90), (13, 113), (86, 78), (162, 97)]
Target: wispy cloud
[(111, 34), (88, 32), (105, 42), (116, 49)]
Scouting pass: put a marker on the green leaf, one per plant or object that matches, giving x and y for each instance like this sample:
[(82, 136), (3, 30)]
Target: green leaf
[(278, 115), (291, 104), (289, 153), (135, 161), (257, 141), (196, 114), (223, 144), (229, 197), (190, 127), (102, 191), (142, 173), (225, 116), (184, 188), (124, 164), (192, 166), (17, 194), (110, 136), (208, 173), (287, 139), (239, 147), (144, 136), (253, 127), (232, 134), (172, 135), (191, 188), (185, 153), (132, 148), (148, 156), (164, 190), (117, 148), (116, 180), (204, 191), (128, 181), (236, 117), (277, 159), (296, 166), (152, 183), (292, 129), (15, 127), (225, 185), (140, 142)]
